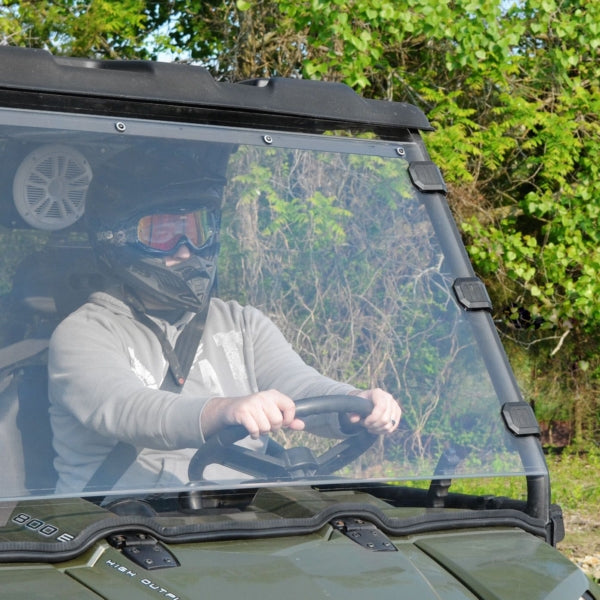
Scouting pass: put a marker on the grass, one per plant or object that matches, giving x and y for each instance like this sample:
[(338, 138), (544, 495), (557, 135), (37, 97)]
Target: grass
[(575, 482), (576, 487)]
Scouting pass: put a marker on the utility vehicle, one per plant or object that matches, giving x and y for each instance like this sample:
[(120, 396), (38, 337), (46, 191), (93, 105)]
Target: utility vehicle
[(336, 226)]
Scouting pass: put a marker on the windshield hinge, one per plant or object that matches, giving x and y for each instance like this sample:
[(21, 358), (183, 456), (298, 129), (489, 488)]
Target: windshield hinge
[(364, 533), (144, 550)]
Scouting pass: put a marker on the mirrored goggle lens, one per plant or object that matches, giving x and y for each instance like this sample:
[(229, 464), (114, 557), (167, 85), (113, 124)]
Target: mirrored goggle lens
[(164, 231)]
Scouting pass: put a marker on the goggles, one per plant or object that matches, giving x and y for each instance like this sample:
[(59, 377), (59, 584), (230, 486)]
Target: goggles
[(165, 233)]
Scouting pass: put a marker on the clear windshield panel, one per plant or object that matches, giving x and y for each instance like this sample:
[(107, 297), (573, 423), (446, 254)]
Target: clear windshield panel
[(330, 280)]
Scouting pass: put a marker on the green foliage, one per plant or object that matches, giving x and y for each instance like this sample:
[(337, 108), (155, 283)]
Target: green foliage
[(513, 93), (236, 39), (88, 28), (515, 99)]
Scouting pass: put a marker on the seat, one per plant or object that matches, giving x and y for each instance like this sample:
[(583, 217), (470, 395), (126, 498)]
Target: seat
[(47, 286)]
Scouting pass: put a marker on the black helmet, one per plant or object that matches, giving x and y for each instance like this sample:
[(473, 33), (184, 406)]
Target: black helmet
[(147, 201)]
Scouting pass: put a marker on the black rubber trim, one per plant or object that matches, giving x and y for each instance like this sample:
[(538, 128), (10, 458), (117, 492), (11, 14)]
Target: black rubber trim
[(434, 521)]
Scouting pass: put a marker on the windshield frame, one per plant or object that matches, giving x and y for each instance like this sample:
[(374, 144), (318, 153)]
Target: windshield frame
[(412, 152)]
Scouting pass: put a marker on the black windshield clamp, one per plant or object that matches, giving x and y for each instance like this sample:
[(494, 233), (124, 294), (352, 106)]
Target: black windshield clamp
[(520, 418), (427, 177), (471, 293)]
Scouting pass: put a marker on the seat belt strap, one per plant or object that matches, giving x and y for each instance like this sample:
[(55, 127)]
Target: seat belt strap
[(180, 360)]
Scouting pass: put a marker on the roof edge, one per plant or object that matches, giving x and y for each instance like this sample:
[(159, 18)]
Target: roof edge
[(34, 70)]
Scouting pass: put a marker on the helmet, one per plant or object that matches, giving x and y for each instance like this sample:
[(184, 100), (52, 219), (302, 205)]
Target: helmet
[(145, 203)]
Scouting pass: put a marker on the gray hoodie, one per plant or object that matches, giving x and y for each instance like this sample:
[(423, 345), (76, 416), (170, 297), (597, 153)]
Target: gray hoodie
[(106, 369)]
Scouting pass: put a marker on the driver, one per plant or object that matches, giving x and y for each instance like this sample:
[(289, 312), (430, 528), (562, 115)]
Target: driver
[(117, 373)]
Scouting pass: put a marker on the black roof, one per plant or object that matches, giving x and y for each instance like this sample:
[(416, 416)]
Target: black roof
[(31, 78)]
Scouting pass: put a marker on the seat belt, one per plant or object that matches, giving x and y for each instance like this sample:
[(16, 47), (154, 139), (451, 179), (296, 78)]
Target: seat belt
[(22, 353), (180, 360)]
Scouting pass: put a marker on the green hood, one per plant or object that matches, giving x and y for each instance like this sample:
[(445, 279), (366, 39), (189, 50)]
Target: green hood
[(317, 561)]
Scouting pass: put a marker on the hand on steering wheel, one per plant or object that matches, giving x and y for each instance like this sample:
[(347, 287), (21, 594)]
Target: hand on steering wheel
[(295, 462)]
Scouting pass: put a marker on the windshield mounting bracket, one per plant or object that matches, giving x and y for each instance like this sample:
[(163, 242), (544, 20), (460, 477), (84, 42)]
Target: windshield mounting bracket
[(144, 550), (364, 534)]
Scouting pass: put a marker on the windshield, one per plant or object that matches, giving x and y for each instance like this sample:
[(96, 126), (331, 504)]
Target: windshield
[(316, 268)]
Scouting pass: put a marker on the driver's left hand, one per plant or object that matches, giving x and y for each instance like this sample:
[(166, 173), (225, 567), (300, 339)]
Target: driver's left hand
[(386, 414)]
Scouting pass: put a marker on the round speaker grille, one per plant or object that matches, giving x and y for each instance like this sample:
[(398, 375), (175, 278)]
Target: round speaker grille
[(50, 186)]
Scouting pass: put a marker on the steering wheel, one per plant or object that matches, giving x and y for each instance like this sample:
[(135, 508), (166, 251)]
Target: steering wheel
[(280, 463)]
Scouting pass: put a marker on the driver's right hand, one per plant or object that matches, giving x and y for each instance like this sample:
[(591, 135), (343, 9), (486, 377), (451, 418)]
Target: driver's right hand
[(260, 413)]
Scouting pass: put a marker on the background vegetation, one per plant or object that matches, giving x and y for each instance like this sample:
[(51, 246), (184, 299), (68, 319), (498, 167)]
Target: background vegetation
[(513, 90)]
